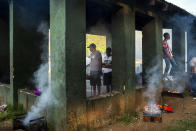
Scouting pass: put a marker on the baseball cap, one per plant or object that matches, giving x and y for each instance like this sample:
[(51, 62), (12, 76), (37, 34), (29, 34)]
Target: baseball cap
[(92, 46)]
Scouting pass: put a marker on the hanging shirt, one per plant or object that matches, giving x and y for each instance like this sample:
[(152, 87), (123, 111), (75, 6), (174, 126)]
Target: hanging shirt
[(107, 61), (166, 45)]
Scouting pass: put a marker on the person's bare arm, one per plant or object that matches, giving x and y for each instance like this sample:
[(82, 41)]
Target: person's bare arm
[(100, 61)]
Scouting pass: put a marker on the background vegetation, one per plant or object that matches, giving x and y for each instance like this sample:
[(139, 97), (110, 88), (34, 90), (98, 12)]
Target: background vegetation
[(98, 40)]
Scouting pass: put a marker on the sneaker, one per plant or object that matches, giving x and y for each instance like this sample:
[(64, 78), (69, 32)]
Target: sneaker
[(165, 79), (170, 78)]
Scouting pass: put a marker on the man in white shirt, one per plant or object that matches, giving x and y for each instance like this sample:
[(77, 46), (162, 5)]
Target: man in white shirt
[(193, 75), (107, 70), (95, 68)]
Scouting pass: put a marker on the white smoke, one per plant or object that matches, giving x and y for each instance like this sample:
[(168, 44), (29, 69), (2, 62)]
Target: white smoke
[(153, 77), (184, 23), (47, 98)]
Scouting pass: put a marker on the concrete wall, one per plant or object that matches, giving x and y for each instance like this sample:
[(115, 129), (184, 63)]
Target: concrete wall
[(26, 98), (99, 111), (4, 94)]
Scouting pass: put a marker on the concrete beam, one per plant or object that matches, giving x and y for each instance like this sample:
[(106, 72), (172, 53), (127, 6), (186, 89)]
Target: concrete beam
[(68, 38), (152, 47)]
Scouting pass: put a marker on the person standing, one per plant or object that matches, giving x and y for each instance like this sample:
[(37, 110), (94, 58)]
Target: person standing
[(169, 59), (193, 75), (95, 68), (107, 70)]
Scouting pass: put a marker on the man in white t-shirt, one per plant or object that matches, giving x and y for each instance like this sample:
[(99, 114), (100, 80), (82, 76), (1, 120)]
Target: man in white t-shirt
[(107, 70), (193, 75)]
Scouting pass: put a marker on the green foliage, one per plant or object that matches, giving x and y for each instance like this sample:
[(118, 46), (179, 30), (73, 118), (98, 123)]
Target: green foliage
[(99, 41), (183, 125), (11, 112), (137, 116), (126, 118)]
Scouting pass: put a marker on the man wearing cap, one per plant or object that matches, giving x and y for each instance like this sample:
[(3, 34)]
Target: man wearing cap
[(95, 68)]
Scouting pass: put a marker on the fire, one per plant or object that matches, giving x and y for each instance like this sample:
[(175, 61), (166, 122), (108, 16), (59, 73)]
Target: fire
[(173, 91), (166, 108), (152, 109)]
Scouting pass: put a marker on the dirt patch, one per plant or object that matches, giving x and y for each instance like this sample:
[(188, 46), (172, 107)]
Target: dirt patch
[(169, 119), (6, 126)]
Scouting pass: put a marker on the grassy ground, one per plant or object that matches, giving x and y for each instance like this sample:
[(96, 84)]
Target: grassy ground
[(177, 121), (7, 116), (11, 112), (183, 125)]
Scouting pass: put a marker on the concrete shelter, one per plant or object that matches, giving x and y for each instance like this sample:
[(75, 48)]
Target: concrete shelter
[(69, 21)]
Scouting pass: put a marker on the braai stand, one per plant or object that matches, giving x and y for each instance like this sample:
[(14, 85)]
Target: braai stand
[(171, 94)]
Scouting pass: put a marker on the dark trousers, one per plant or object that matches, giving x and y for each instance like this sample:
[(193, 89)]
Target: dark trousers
[(173, 69), (107, 81)]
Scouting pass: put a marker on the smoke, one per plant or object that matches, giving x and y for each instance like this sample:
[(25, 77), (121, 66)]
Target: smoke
[(153, 78), (185, 24), (41, 75), (47, 99)]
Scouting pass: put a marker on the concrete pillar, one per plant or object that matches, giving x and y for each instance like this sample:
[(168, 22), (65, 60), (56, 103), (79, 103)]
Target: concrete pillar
[(68, 38), (152, 47), (123, 54), (178, 47), (123, 45), (13, 89), (108, 40)]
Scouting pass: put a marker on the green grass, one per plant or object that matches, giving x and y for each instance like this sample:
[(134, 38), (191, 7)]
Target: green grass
[(127, 118), (11, 112), (183, 125)]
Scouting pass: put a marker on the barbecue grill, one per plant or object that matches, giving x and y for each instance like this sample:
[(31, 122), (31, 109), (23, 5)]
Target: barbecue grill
[(37, 124), (152, 114), (152, 117), (173, 93)]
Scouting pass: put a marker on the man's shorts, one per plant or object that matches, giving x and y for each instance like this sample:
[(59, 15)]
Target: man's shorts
[(107, 79), (95, 78)]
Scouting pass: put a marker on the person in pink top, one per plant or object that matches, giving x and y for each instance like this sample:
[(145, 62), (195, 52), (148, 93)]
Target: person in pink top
[(169, 59)]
